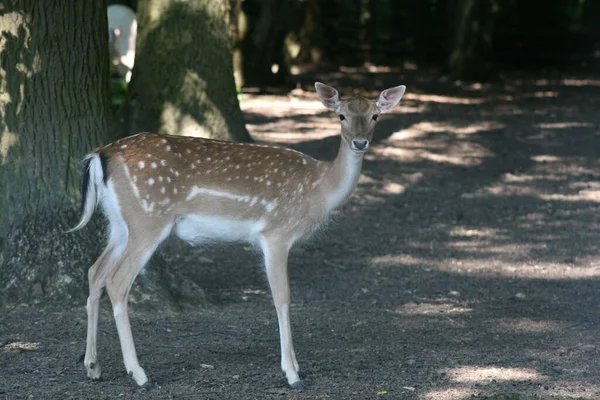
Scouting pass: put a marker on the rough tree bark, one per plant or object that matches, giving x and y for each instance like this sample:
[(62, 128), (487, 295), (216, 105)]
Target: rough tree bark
[(53, 109), (183, 82)]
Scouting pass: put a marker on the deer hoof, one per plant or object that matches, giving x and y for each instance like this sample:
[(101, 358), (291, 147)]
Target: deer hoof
[(148, 385), (94, 372), (299, 385)]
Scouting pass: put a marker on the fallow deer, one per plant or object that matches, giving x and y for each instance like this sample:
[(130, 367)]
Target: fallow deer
[(151, 185)]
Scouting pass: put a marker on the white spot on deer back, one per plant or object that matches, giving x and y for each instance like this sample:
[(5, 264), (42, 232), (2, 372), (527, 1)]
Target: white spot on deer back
[(271, 205), (148, 207)]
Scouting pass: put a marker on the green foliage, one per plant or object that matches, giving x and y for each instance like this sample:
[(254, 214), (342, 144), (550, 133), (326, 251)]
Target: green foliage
[(118, 92)]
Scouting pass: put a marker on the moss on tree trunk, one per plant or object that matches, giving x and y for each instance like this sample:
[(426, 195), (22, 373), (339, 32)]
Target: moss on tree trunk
[(53, 109), (183, 81)]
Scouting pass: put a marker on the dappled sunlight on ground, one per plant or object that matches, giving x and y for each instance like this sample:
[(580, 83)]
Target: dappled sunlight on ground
[(486, 374), (443, 99), (579, 82), (488, 265), (564, 125), (450, 394), (413, 151), (423, 128), (19, 346), (408, 155), (431, 309), (526, 325), (476, 382), (471, 381), (550, 178), (287, 119)]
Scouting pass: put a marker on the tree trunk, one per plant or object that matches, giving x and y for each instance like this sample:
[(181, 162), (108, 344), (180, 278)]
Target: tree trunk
[(309, 34), (263, 54), (53, 109), (182, 81), (471, 56)]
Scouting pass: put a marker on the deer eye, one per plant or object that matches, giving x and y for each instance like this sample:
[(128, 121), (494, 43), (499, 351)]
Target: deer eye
[(342, 117), (375, 117)]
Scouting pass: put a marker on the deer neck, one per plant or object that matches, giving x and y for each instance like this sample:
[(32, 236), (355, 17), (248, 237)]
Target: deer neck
[(342, 176)]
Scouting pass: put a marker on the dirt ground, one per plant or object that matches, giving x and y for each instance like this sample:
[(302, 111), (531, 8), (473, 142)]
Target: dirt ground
[(466, 265)]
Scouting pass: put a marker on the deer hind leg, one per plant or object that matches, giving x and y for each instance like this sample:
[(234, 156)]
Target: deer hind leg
[(96, 278), (276, 259), (138, 251)]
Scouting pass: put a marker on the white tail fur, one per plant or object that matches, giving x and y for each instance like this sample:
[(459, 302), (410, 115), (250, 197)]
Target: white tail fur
[(90, 191)]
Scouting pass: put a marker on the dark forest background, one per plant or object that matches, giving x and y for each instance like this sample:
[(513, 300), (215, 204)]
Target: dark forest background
[(473, 39)]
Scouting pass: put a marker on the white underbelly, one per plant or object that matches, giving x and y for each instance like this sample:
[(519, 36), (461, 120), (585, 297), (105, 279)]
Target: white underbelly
[(196, 229)]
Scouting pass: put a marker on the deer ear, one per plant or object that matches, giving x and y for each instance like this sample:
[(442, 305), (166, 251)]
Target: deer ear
[(389, 98), (328, 96)]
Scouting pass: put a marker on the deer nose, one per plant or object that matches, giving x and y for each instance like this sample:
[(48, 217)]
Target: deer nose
[(360, 144)]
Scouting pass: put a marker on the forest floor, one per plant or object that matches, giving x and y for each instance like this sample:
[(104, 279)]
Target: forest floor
[(466, 265)]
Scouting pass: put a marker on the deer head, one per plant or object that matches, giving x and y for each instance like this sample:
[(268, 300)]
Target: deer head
[(358, 116)]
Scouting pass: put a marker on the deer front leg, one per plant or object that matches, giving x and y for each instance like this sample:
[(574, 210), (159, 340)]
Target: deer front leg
[(276, 259)]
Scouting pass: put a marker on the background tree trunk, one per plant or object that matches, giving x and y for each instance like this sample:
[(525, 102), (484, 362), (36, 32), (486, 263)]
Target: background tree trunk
[(471, 55), (53, 110), (263, 27), (182, 81), (308, 36)]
